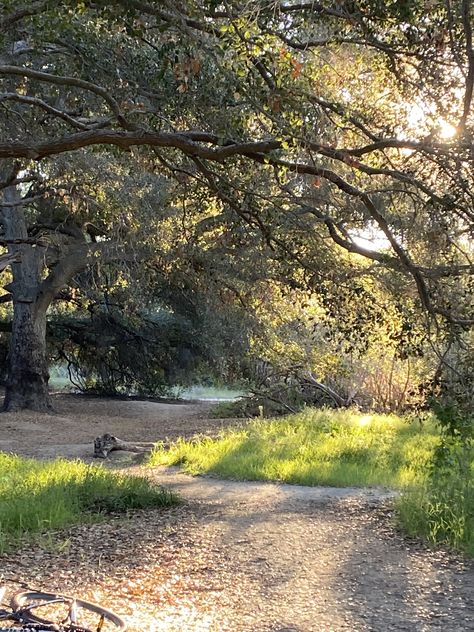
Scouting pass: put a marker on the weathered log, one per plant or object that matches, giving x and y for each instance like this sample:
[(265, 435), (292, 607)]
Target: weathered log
[(108, 443)]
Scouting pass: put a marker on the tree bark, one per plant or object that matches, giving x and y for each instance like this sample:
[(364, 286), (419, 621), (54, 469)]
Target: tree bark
[(28, 376), (32, 294)]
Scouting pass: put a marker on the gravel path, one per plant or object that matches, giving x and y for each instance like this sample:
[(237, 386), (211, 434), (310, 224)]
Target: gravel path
[(250, 557), (326, 559)]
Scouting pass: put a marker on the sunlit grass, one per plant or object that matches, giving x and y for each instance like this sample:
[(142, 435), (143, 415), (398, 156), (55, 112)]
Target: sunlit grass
[(441, 507), (345, 448), (314, 447), (37, 496)]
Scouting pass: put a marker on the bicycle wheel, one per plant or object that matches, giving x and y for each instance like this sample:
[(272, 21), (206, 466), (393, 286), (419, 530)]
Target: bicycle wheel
[(40, 627), (47, 608), (28, 628)]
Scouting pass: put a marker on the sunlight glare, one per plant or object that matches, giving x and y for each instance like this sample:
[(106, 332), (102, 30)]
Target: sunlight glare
[(365, 420), (419, 117), (415, 115), (371, 239), (446, 130)]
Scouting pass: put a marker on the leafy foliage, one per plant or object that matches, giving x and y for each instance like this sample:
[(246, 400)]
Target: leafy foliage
[(442, 508), (250, 151)]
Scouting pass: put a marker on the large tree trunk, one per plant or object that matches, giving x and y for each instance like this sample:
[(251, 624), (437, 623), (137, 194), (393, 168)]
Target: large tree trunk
[(32, 293), (27, 377)]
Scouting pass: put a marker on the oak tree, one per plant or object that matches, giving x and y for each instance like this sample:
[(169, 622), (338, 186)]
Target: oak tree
[(314, 123)]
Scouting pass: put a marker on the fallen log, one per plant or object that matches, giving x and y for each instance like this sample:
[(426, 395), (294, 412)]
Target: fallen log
[(108, 443)]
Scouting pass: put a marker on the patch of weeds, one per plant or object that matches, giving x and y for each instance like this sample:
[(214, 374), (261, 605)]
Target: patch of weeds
[(314, 447), (39, 496)]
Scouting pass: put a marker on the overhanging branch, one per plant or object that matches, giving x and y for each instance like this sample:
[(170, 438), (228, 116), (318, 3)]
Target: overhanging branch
[(67, 81)]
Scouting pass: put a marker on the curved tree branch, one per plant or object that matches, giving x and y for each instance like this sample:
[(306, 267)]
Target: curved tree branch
[(67, 81)]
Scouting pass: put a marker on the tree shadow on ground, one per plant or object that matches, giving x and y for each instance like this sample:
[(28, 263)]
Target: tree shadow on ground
[(242, 560)]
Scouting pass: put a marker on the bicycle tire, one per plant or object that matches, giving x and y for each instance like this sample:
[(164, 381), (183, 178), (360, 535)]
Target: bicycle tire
[(25, 598), (27, 628), (41, 627), (38, 627)]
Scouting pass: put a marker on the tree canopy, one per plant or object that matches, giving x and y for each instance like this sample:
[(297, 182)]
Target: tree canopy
[(324, 146)]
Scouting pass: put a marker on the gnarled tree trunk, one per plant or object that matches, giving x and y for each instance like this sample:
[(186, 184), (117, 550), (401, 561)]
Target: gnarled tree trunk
[(27, 377), (32, 292)]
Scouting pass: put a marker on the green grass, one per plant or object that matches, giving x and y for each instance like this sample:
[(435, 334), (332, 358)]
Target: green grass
[(441, 507), (345, 448), (37, 496), (315, 447)]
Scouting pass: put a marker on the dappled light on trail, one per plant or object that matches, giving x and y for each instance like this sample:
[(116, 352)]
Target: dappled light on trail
[(236, 557), (177, 614), (261, 557)]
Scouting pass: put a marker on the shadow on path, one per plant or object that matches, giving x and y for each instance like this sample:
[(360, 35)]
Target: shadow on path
[(258, 557)]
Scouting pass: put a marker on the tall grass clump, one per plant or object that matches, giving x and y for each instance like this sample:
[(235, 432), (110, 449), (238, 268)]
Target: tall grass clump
[(37, 496), (313, 447), (441, 508)]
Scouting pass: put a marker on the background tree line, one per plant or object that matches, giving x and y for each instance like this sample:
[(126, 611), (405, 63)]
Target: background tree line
[(200, 180)]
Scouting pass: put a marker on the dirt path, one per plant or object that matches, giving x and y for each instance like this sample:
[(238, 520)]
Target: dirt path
[(78, 420), (239, 556)]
